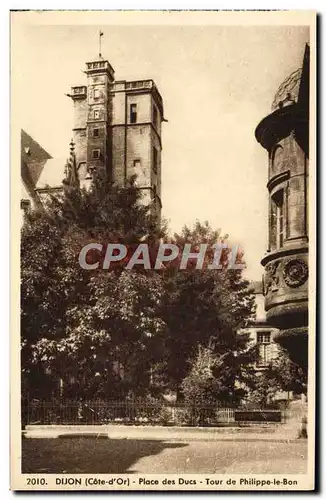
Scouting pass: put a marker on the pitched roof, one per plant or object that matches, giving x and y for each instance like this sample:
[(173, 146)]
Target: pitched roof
[(33, 156), (33, 160)]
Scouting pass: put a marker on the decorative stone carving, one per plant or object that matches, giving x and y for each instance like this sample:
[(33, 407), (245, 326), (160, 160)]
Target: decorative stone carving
[(295, 272), (271, 277)]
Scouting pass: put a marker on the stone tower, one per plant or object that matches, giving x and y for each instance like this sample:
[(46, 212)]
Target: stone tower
[(285, 136), (118, 124), (93, 118)]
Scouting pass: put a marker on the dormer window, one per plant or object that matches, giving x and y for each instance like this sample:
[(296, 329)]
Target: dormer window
[(25, 205), (27, 150)]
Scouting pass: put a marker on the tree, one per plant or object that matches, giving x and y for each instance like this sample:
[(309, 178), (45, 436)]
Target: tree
[(109, 342), (42, 293), (107, 332), (281, 374), (207, 308), (88, 327)]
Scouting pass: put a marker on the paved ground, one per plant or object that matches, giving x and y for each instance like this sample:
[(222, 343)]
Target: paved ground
[(268, 432), (102, 455)]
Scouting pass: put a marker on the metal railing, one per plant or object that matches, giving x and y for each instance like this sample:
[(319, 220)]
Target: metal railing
[(97, 412)]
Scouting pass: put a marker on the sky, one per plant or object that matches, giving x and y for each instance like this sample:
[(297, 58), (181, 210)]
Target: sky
[(217, 83)]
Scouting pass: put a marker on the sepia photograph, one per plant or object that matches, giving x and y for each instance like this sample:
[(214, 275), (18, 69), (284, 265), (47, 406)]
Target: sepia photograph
[(163, 185)]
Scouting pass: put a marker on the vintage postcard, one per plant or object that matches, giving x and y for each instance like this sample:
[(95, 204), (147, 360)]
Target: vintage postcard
[(163, 184)]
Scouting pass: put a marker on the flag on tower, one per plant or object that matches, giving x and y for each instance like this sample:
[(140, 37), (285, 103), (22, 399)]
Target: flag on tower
[(101, 33)]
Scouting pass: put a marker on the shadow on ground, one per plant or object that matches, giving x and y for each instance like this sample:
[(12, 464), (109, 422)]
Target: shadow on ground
[(87, 455)]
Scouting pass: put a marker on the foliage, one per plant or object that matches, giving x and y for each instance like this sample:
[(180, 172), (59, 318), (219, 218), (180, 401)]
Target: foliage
[(205, 307), (110, 341), (106, 333), (282, 374), (218, 378), (95, 330)]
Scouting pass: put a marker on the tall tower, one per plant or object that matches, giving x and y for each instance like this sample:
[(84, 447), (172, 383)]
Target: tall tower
[(285, 136), (136, 137), (119, 124), (92, 131)]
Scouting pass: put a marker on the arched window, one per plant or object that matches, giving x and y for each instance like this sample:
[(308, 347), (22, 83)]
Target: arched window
[(277, 217)]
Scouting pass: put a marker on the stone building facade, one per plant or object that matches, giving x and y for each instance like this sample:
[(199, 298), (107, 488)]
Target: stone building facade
[(118, 125), (285, 135)]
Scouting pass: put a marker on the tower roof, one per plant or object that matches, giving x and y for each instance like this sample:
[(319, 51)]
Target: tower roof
[(290, 111), (290, 90)]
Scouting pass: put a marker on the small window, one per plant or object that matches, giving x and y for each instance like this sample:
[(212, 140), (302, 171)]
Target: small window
[(278, 216), (155, 116), (96, 153), (263, 337), (136, 164), (96, 93), (25, 205), (96, 132), (96, 114), (264, 346), (133, 113), (155, 160)]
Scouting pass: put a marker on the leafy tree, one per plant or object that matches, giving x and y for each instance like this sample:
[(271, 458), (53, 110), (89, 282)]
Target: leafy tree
[(110, 341), (42, 293), (205, 307), (90, 328), (281, 374), (107, 332)]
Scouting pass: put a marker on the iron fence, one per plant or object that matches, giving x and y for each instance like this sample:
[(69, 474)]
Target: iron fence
[(100, 412)]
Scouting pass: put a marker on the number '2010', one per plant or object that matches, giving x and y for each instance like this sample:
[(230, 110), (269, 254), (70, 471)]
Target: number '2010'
[(33, 481)]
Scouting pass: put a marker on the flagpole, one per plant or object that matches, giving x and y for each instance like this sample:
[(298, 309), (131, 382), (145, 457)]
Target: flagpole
[(100, 43)]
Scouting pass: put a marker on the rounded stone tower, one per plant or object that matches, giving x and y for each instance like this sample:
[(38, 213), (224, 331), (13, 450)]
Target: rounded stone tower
[(285, 135)]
